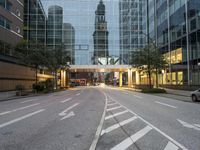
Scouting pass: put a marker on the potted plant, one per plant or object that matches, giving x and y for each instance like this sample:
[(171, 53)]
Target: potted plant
[(19, 89)]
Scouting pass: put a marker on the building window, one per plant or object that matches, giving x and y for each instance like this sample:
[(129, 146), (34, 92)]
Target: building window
[(6, 4), (2, 21), (5, 23)]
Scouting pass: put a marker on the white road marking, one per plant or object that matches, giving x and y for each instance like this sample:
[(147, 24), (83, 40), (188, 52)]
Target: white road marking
[(112, 104), (98, 132), (130, 140), (29, 100), (71, 114), (21, 108), (20, 118), (114, 108), (197, 125), (188, 125), (165, 104), (155, 128), (78, 94), (133, 95), (115, 115), (137, 96), (63, 113), (66, 100), (171, 146), (120, 124)]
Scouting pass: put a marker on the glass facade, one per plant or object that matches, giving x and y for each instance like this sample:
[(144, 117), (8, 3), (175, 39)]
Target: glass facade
[(132, 17), (72, 24), (175, 26)]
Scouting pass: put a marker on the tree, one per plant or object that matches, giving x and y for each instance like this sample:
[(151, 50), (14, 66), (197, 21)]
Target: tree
[(150, 59), (31, 54), (57, 60)]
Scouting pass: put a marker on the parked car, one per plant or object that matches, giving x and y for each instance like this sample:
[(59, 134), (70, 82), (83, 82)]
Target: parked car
[(195, 95)]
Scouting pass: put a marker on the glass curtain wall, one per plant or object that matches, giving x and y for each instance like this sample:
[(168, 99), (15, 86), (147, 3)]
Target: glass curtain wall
[(71, 25), (178, 33)]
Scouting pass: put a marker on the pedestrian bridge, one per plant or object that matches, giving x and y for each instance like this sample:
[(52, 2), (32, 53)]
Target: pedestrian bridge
[(106, 68), (100, 68)]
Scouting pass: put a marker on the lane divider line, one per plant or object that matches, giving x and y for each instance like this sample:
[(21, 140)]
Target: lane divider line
[(117, 114), (171, 146), (155, 128), (130, 140), (117, 125), (35, 99), (20, 118), (21, 108), (78, 94), (98, 132), (66, 100), (165, 104), (114, 108)]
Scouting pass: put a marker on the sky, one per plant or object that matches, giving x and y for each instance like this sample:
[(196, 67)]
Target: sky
[(81, 14)]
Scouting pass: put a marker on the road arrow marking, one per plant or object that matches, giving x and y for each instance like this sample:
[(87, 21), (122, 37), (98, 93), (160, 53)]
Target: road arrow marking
[(71, 114), (64, 113), (187, 125)]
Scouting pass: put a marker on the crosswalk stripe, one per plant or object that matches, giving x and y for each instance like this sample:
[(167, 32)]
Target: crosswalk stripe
[(115, 126), (130, 140), (114, 108), (112, 104), (171, 146), (115, 115)]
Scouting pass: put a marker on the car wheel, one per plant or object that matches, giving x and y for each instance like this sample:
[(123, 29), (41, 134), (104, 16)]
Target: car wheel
[(194, 98)]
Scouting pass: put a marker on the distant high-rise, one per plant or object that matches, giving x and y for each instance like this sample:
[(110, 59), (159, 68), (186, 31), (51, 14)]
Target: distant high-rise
[(132, 19), (69, 41), (100, 34), (54, 27), (34, 22)]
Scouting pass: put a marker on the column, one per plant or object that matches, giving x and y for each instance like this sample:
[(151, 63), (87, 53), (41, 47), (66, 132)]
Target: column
[(130, 78), (120, 79), (137, 75)]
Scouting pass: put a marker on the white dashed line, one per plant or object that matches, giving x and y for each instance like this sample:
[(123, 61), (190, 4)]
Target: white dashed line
[(63, 113), (114, 108), (171, 146), (20, 118), (129, 141), (78, 94), (66, 100), (115, 115), (165, 104), (115, 126), (29, 100), (21, 108)]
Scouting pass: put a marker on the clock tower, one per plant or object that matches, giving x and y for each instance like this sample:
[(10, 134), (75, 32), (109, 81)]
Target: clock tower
[(100, 36)]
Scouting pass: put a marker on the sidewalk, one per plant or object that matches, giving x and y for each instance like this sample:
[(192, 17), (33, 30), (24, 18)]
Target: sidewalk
[(178, 92)]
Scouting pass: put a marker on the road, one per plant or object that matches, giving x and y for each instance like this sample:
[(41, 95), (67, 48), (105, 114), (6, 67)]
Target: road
[(99, 118)]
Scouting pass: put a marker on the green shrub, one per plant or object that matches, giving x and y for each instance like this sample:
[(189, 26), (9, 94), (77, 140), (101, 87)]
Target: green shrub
[(39, 87), (153, 90), (19, 87)]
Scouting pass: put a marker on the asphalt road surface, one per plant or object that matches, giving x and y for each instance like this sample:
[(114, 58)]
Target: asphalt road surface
[(99, 118)]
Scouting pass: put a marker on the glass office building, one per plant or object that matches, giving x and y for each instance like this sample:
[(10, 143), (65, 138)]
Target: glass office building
[(80, 15), (175, 24), (132, 18), (34, 22)]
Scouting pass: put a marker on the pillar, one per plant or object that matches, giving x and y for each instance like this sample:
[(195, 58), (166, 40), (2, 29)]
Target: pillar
[(137, 76), (130, 78), (120, 79)]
